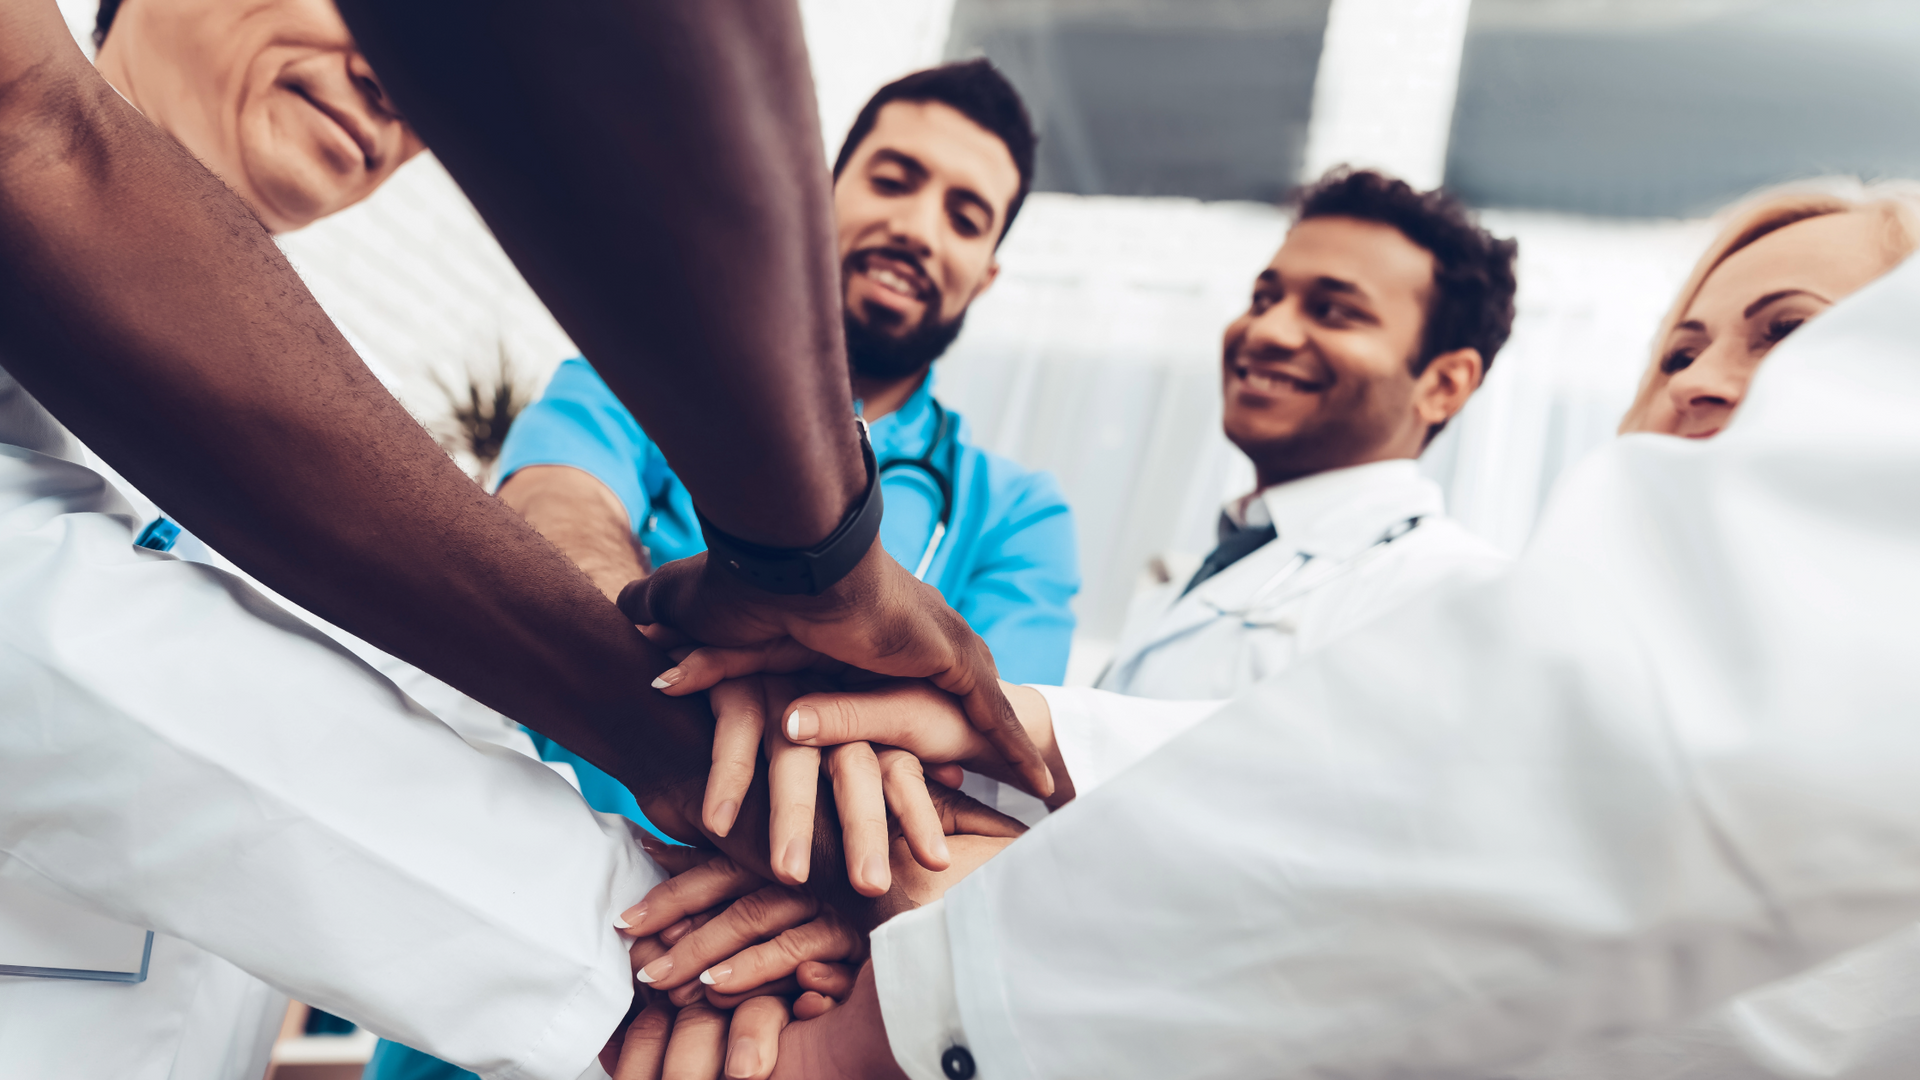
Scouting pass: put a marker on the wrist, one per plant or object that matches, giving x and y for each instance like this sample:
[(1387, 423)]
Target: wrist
[(1036, 716), (807, 571)]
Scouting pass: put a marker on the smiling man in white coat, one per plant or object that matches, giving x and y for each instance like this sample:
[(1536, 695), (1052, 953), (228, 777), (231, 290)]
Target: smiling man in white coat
[(1370, 329)]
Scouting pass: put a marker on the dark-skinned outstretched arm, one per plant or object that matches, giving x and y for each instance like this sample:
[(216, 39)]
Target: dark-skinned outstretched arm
[(654, 168), (146, 308)]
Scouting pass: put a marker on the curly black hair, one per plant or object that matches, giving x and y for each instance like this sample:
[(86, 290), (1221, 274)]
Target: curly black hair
[(976, 90), (1473, 278)]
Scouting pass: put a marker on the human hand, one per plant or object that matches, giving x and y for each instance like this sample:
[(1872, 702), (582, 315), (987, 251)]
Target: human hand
[(849, 1043), (868, 782), (916, 886), (720, 931), (915, 726), (878, 618), (691, 1042)]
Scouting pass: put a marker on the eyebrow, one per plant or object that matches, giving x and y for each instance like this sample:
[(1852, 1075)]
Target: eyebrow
[(906, 161), (1755, 307), (1337, 285), (920, 172)]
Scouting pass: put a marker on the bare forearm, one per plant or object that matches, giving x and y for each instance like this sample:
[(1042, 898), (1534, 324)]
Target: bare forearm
[(654, 168), (144, 306), (582, 517)]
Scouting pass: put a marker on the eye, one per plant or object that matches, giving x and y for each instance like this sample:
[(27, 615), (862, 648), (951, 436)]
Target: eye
[(965, 225), (1781, 325), (1331, 312), (1261, 302), (1677, 360), (887, 185)]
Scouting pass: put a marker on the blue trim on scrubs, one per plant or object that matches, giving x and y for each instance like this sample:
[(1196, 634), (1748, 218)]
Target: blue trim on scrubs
[(1009, 563)]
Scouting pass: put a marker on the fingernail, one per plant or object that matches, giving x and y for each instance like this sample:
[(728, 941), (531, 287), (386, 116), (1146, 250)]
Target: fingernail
[(874, 869), (713, 975), (723, 816), (803, 724), (794, 859), (940, 848), (631, 917), (743, 1059), (677, 931), (668, 677), (655, 971)]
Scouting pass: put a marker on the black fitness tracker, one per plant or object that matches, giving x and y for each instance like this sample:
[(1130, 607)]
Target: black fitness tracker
[(805, 571)]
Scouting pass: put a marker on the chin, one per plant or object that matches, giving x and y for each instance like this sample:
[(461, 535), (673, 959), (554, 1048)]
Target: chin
[(294, 198)]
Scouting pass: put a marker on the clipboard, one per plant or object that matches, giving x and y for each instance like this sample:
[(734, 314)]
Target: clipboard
[(44, 938)]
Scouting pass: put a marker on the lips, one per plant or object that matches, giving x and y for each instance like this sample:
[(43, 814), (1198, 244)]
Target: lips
[(1274, 377), (897, 273), (347, 122)]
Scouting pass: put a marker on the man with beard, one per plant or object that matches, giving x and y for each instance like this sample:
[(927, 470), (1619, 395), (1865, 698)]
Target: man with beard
[(1369, 330), (932, 173)]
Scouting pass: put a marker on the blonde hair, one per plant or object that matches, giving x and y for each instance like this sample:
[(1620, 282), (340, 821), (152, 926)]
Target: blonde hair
[(1897, 202)]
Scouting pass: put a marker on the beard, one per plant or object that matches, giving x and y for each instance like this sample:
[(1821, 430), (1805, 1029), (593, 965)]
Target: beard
[(878, 348), (880, 356)]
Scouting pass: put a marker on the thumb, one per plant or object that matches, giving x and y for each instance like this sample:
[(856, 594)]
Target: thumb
[(909, 714), (661, 596)]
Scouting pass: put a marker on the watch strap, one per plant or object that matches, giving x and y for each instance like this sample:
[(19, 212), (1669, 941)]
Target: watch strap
[(805, 571)]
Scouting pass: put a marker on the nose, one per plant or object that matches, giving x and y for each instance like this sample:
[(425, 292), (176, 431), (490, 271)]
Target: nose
[(915, 222), (1279, 329), (1705, 393)]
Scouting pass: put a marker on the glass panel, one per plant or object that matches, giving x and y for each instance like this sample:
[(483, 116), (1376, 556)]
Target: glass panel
[(1673, 107), (1204, 98)]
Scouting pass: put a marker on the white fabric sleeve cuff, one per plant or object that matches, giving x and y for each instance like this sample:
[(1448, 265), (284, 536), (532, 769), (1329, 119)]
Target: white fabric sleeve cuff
[(913, 973), (595, 1071), (1101, 733)]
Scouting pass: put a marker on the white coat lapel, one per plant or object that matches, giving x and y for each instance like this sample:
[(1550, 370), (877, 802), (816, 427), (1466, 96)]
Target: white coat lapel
[(1205, 603)]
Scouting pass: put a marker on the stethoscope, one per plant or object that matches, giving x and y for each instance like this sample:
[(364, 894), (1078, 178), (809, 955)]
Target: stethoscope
[(942, 482), (1269, 592)]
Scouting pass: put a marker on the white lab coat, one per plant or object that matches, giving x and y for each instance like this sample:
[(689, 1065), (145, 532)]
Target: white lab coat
[(1258, 616), (181, 755), (1668, 758)]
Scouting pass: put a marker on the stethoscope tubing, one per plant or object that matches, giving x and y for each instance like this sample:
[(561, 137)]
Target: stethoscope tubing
[(942, 482)]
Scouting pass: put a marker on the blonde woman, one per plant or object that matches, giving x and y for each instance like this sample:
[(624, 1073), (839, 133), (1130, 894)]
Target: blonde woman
[(1783, 257)]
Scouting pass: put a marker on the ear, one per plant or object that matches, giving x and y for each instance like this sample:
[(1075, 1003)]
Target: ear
[(993, 273), (1443, 389)]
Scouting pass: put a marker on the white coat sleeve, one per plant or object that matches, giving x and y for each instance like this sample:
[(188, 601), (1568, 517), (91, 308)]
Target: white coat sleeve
[(179, 754), (1669, 757), (1100, 733)]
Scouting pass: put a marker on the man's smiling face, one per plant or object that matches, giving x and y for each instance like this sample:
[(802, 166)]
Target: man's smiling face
[(918, 209), (272, 95), (1316, 373)]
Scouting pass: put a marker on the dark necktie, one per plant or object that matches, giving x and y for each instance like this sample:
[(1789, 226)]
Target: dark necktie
[(1234, 546)]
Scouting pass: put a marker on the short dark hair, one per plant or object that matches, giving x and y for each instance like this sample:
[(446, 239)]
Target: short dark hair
[(104, 21), (976, 90), (1473, 280)]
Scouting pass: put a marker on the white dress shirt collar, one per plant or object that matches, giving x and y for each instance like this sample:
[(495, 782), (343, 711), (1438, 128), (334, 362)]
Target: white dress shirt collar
[(1340, 512)]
